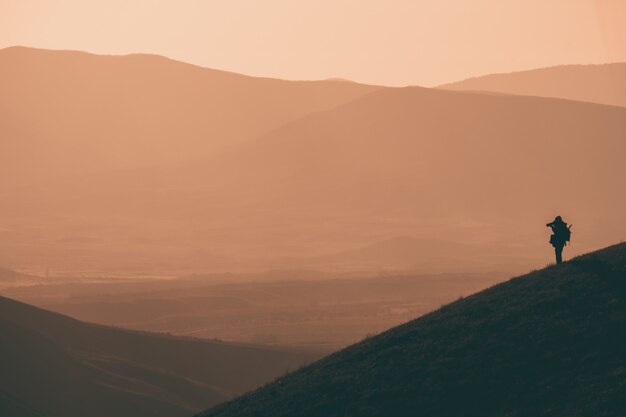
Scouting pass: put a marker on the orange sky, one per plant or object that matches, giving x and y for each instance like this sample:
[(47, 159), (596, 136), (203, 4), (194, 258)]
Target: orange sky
[(392, 42)]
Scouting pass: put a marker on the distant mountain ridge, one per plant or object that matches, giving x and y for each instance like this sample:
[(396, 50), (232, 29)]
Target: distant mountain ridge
[(70, 112), (55, 366), (604, 83), (550, 343)]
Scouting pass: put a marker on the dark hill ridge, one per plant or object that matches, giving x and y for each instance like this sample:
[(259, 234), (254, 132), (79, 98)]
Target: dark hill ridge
[(550, 343), (55, 366)]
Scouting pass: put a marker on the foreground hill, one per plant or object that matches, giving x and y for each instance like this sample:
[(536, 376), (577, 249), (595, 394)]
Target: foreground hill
[(55, 366), (550, 343), (67, 112), (604, 84)]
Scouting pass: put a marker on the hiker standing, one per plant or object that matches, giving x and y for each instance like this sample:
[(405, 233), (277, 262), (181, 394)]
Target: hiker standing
[(560, 236)]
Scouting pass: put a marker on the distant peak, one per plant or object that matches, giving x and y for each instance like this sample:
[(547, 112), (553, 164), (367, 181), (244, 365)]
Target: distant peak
[(339, 79)]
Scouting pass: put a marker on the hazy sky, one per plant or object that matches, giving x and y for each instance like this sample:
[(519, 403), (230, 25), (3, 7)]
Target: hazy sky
[(394, 42)]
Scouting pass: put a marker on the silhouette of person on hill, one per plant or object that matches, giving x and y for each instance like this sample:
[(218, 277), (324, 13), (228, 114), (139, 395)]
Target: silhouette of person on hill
[(560, 236)]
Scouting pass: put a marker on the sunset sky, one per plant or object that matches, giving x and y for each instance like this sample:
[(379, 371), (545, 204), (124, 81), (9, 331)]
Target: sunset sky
[(399, 42)]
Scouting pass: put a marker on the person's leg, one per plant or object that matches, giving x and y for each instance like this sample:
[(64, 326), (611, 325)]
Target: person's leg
[(558, 250)]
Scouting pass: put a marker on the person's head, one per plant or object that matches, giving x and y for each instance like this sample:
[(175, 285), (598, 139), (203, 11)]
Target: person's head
[(558, 219)]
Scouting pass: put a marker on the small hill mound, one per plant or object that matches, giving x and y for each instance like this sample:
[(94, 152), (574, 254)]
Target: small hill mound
[(55, 366), (550, 343), (604, 84), (8, 276)]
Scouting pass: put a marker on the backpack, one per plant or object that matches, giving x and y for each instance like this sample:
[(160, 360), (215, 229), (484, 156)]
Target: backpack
[(561, 235), (567, 233)]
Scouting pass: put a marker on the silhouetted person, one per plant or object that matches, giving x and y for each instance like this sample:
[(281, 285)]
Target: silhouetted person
[(560, 237)]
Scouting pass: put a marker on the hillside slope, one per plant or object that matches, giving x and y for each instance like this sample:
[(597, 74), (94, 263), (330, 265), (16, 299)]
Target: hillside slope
[(56, 366), (604, 84), (550, 343)]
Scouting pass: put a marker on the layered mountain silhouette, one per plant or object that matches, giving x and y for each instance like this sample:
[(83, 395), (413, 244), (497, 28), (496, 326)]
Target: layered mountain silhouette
[(53, 365), (604, 84), (550, 343), (435, 164)]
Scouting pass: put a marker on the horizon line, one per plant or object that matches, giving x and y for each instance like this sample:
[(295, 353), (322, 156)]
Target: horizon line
[(327, 79)]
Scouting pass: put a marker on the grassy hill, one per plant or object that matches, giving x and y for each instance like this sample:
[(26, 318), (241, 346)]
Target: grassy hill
[(550, 343), (604, 84), (55, 366)]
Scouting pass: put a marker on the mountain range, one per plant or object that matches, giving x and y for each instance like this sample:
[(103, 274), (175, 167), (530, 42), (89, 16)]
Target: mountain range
[(71, 113), (356, 165)]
